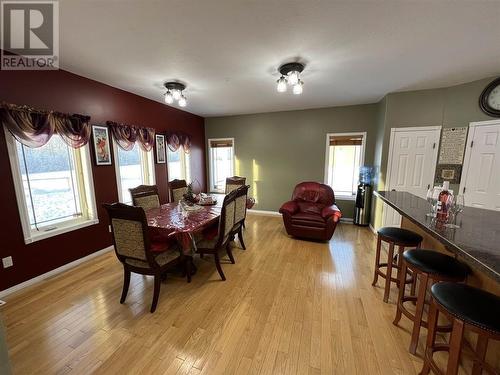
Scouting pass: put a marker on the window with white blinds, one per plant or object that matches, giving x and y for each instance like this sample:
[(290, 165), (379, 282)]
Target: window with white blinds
[(221, 162), (344, 157)]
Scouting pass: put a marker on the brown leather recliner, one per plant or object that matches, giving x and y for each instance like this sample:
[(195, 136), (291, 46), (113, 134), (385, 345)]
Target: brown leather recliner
[(312, 212)]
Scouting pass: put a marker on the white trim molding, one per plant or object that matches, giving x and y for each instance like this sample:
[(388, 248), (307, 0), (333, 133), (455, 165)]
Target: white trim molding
[(263, 212), (43, 277)]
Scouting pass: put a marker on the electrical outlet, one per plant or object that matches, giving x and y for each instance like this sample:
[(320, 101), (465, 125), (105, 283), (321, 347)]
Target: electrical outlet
[(109, 228), (7, 262)]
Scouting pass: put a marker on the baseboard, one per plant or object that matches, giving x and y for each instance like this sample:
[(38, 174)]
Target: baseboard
[(263, 212), (346, 220), (54, 272), (372, 228)]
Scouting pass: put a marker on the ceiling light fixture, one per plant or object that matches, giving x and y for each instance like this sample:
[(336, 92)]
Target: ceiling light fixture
[(175, 92), (290, 74)]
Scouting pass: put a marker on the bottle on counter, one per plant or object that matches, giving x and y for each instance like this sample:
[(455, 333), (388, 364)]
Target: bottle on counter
[(442, 207)]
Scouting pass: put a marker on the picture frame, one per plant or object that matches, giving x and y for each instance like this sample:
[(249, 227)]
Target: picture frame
[(102, 145), (160, 146)]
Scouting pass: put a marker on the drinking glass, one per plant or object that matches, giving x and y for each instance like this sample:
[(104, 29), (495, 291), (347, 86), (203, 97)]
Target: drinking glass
[(456, 206), (432, 202)]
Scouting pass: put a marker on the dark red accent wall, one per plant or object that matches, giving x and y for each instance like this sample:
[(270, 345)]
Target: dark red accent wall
[(67, 92)]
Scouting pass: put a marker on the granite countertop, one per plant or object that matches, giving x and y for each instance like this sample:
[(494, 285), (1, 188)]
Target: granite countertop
[(477, 240)]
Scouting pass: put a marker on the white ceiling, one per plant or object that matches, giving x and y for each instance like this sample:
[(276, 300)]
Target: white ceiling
[(228, 51)]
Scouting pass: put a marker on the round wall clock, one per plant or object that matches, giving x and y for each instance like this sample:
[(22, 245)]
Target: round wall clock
[(489, 101)]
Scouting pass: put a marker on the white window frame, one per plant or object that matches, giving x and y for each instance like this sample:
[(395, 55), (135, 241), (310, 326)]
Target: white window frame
[(327, 157), (185, 165), (83, 167), (210, 163), (147, 168)]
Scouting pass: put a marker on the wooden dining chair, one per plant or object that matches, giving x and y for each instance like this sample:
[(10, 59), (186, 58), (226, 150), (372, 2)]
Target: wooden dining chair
[(135, 250), (177, 189), (233, 183), (240, 214), (145, 196), (219, 242)]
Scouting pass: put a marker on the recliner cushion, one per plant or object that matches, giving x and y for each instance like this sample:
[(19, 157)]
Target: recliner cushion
[(472, 305), (308, 220), (309, 208)]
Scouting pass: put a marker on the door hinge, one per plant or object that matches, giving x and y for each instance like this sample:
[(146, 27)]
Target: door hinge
[(471, 143), (434, 146), (428, 186), (463, 192)]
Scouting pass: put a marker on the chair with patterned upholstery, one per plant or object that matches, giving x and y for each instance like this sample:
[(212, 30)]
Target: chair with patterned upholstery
[(240, 213), (136, 251), (212, 244), (177, 189), (145, 196), (233, 183)]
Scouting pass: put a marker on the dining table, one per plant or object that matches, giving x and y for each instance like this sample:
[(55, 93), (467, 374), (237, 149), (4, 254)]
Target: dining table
[(178, 221)]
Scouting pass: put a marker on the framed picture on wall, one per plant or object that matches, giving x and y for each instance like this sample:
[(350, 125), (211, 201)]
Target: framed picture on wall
[(102, 148), (160, 149)]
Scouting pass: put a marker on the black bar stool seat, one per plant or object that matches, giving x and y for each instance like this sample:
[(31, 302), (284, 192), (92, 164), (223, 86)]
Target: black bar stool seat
[(401, 238), (467, 307), (429, 267), (435, 263)]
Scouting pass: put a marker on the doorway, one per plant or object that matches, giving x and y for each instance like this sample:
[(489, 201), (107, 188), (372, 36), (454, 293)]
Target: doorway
[(411, 164), (480, 182)]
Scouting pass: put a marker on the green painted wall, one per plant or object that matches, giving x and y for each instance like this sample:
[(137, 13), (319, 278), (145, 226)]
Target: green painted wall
[(275, 151)]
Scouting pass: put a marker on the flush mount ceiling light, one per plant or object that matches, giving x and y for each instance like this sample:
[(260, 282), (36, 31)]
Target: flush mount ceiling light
[(175, 92), (290, 75)]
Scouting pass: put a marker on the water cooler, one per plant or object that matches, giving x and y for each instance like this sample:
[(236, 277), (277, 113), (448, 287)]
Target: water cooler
[(363, 197)]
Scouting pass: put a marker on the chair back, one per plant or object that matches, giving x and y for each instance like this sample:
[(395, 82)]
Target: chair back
[(240, 207), (145, 196), (130, 234), (177, 188), (226, 221), (233, 183), (314, 192)]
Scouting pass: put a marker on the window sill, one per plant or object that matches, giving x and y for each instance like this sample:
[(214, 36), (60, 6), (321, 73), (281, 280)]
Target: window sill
[(345, 197), (37, 236)]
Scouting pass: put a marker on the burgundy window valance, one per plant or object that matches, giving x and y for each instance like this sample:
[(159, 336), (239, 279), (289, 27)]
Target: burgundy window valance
[(127, 135), (178, 139), (34, 128)]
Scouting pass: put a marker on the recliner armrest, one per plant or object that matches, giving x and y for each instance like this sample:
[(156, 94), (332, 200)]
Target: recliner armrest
[(289, 207), (330, 211)]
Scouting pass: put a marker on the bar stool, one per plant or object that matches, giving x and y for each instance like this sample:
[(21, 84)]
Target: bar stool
[(466, 307), (394, 237), (431, 266)]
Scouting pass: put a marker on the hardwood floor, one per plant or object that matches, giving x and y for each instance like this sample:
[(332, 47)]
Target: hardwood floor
[(288, 307)]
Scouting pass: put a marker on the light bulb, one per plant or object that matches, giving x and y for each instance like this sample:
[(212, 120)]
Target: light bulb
[(281, 84), (293, 77), (297, 88), (182, 101), (176, 94), (169, 98)]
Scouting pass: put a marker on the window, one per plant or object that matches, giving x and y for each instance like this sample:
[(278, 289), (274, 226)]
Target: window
[(221, 159), (178, 165), (54, 187), (344, 156), (134, 167)]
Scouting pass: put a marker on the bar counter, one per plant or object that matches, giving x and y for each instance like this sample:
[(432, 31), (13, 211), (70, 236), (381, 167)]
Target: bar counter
[(476, 242)]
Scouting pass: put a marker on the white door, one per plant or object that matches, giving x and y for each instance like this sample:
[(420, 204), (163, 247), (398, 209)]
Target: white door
[(481, 176), (411, 165)]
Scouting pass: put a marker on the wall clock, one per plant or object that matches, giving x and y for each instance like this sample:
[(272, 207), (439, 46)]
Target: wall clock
[(489, 101)]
